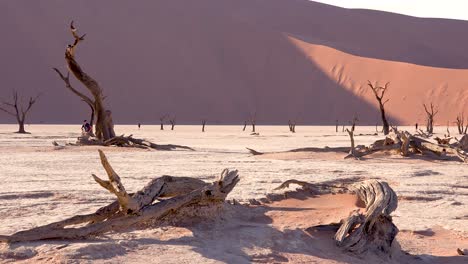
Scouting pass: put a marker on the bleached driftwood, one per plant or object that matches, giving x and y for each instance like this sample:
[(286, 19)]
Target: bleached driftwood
[(371, 230), (131, 209)]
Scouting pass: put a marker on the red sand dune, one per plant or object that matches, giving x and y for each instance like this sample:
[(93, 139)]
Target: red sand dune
[(223, 60)]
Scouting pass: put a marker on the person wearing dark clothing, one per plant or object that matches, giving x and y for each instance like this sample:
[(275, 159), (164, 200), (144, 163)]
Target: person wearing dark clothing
[(86, 127)]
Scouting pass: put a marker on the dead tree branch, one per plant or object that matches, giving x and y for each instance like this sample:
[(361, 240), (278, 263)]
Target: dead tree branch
[(132, 209)]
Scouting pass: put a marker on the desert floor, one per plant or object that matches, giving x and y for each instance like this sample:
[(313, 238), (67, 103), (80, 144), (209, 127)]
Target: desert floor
[(41, 184)]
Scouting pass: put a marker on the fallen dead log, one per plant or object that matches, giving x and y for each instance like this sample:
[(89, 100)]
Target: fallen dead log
[(311, 149), (131, 209)]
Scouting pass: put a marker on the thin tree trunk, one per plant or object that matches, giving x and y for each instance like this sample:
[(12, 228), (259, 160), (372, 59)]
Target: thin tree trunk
[(386, 126), (21, 127)]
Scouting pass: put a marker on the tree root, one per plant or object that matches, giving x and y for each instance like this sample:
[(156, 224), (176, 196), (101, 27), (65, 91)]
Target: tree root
[(132, 209), (372, 230)]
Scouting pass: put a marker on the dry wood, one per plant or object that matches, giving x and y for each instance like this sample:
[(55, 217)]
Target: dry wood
[(430, 114), (373, 230), (104, 125), (131, 209), (105, 134), (14, 109), (173, 122), (203, 125), (352, 149), (379, 93)]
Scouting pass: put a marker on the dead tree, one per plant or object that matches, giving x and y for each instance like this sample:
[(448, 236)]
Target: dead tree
[(336, 126), (353, 123), (379, 93), (253, 121), (292, 126), (462, 129), (430, 114), (203, 125), (173, 122), (245, 126), (133, 209), (104, 123), (351, 138), (18, 111), (161, 121)]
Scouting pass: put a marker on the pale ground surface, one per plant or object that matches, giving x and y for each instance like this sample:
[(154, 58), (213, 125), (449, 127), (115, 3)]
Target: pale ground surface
[(41, 184)]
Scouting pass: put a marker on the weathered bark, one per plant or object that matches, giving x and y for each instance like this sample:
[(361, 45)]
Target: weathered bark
[(379, 93), (430, 114), (104, 125), (21, 128), (374, 230), (352, 149), (131, 209), (17, 110)]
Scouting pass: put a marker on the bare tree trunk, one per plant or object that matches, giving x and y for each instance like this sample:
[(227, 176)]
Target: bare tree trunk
[(203, 125), (21, 127), (461, 124), (430, 113), (379, 93), (104, 125), (351, 137), (245, 126), (336, 126), (19, 113)]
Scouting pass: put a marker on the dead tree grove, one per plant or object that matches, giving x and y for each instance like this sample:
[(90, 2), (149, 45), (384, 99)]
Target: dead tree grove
[(379, 93), (18, 111), (430, 114)]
